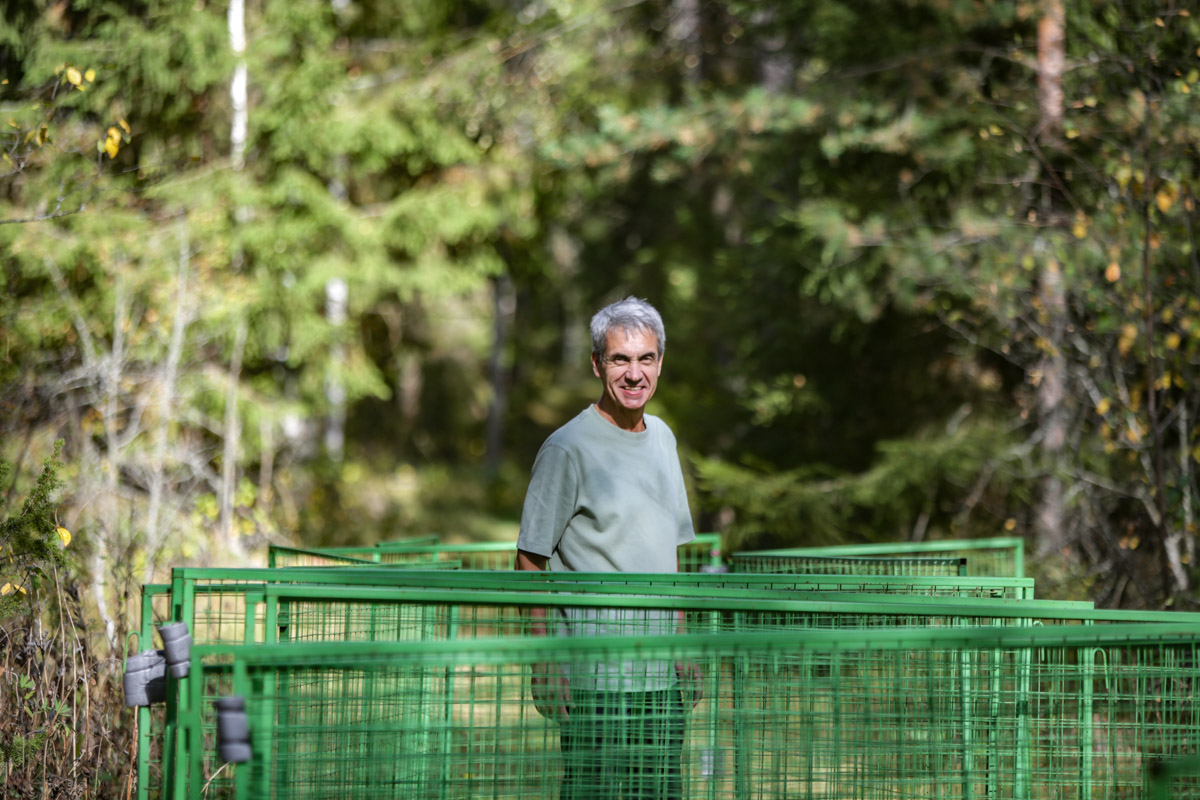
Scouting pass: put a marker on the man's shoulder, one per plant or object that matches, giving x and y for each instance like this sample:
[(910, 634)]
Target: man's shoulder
[(659, 428), (570, 433)]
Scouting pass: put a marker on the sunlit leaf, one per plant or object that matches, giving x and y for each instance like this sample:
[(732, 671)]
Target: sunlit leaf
[(73, 76), (90, 75), (64, 535)]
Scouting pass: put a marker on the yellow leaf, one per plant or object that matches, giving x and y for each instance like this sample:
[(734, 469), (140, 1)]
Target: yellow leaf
[(111, 147), (1173, 341), (63, 534), (90, 75), (124, 126), (1113, 273), (1164, 200), (73, 76), (6, 589), (1103, 406), (1010, 524), (1080, 230)]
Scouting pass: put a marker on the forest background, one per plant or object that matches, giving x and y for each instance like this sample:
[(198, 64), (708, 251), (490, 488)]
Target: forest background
[(320, 273)]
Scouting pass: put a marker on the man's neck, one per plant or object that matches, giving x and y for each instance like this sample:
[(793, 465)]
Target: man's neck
[(625, 419)]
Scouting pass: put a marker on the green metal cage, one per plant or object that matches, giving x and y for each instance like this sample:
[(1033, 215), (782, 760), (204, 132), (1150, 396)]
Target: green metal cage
[(1003, 555), (950, 713), (300, 613), (844, 565)]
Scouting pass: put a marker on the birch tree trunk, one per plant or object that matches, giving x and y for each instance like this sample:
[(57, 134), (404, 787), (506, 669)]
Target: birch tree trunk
[(336, 300), (1050, 515), (237, 87)]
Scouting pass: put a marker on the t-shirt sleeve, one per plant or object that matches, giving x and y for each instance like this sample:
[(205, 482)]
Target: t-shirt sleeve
[(549, 501), (686, 532)]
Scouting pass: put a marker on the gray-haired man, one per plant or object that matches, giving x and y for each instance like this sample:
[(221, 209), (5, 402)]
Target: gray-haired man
[(607, 495)]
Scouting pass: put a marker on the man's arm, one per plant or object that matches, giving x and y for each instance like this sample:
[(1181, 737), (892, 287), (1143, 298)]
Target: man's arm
[(531, 562), (549, 686)]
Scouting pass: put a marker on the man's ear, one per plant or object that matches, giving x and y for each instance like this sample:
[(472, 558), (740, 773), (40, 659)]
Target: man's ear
[(596, 365)]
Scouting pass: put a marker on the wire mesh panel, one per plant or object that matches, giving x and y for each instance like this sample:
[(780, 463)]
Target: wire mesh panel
[(982, 712), (695, 556), (995, 556), (843, 565), (281, 556)]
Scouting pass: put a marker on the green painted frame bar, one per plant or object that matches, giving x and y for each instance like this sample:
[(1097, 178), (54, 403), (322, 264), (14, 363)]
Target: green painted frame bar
[(869, 714), (1001, 555), (382, 575), (150, 720)]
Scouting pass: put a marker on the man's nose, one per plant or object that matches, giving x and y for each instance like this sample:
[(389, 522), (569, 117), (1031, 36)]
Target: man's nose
[(634, 373)]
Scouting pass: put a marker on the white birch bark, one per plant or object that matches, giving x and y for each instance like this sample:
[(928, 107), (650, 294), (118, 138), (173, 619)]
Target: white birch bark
[(337, 296), (237, 87)]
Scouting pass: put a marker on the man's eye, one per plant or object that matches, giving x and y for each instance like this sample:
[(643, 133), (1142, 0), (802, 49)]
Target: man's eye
[(648, 361), (620, 361)]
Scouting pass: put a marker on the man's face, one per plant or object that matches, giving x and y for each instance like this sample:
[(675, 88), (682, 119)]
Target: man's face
[(629, 368)]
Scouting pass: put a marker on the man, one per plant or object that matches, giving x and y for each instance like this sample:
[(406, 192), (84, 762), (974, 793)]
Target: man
[(607, 495)]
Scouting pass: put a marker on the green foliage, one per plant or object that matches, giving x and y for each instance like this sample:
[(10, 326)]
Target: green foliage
[(924, 476), (31, 540)]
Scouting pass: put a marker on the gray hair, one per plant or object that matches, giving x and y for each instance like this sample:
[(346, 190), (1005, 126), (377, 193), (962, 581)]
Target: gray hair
[(630, 314)]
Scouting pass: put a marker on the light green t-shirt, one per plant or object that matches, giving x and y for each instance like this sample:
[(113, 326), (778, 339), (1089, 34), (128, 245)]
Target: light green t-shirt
[(602, 499)]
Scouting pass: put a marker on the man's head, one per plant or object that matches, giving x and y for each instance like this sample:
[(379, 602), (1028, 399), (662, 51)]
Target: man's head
[(627, 348), (630, 314)]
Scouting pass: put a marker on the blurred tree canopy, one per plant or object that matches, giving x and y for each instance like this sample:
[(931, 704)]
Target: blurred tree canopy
[(927, 270)]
